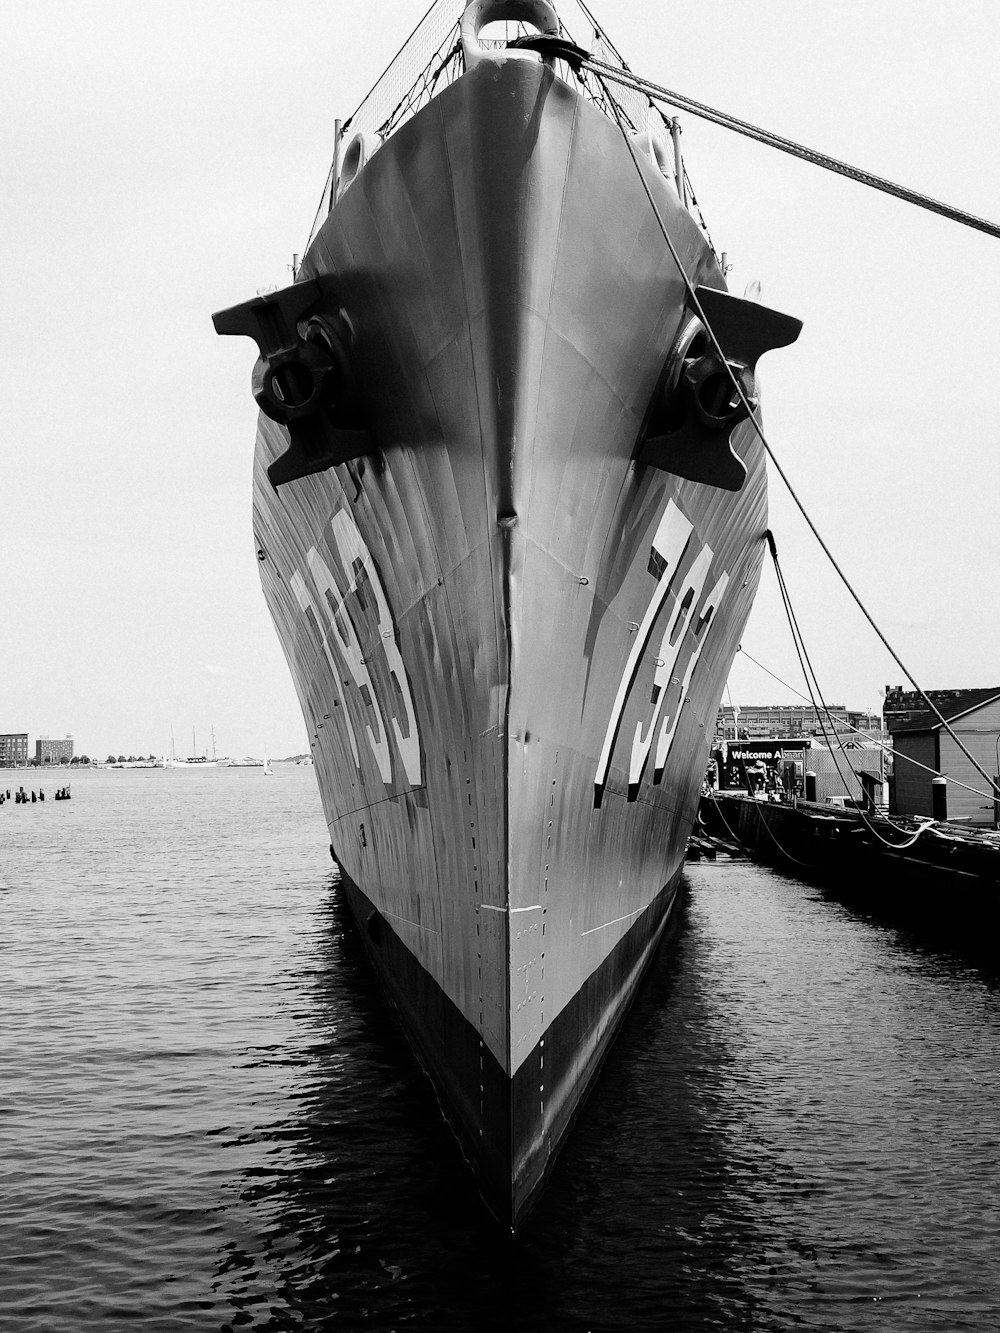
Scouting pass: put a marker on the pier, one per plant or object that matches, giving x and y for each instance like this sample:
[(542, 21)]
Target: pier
[(913, 867), (23, 797)]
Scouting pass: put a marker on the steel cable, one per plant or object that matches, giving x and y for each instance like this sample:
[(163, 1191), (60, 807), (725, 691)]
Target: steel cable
[(868, 737), (772, 140), (758, 430), (812, 682)]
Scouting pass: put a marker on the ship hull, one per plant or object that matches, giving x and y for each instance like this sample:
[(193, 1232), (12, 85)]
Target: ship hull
[(508, 637), (499, 1131)]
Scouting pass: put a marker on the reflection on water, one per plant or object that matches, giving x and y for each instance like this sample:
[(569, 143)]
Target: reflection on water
[(367, 1199), (211, 1119)]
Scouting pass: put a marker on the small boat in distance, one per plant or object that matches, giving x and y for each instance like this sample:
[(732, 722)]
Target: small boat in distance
[(194, 760)]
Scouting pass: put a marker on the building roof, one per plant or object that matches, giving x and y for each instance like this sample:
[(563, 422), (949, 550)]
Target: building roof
[(906, 710)]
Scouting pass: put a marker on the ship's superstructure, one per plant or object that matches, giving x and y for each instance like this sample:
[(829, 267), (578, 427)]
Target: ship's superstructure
[(510, 518)]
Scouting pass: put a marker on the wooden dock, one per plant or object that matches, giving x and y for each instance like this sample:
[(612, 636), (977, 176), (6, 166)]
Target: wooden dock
[(950, 870)]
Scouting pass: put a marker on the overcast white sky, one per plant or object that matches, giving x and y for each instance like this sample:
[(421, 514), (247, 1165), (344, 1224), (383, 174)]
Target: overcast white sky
[(162, 160)]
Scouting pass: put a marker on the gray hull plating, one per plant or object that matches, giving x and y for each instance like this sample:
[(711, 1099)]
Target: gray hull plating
[(509, 640)]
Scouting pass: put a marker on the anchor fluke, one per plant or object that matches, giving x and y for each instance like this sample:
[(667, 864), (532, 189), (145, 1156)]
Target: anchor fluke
[(697, 407), (303, 378)]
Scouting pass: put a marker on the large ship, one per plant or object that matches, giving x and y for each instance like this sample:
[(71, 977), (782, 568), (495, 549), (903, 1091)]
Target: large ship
[(510, 512)]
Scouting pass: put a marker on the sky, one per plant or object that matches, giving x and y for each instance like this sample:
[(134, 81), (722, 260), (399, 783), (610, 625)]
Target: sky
[(160, 161)]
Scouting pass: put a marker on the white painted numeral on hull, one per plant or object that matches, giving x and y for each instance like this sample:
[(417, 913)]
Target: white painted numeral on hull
[(669, 728), (335, 613), (307, 604), (685, 635), (352, 549), (669, 545), (343, 634), (671, 646)]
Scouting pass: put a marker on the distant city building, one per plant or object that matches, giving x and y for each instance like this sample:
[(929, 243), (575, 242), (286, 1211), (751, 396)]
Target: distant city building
[(922, 749), (53, 751), (761, 721), (13, 749)]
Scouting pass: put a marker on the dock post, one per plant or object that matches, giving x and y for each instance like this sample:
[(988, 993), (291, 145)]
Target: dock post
[(939, 799), (811, 786)]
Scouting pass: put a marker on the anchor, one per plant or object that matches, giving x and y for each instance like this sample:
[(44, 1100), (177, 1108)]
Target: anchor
[(697, 407), (303, 380)]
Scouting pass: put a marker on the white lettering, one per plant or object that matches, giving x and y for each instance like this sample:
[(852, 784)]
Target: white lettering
[(340, 636), (667, 732), (671, 647), (686, 632), (669, 544), (351, 548), (306, 603), (346, 638)]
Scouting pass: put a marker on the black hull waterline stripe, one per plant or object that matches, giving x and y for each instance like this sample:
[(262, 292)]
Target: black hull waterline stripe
[(496, 1117)]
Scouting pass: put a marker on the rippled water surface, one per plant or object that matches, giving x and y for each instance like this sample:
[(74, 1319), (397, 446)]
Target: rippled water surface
[(209, 1119)]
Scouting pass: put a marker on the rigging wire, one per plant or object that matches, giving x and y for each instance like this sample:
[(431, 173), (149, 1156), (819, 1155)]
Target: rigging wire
[(872, 740), (448, 50), (734, 380), (602, 70), (806, 865), (419, 24), (602, 34), (714, 797), (821, 709), (772, 140), (812, 682), (333, 165)]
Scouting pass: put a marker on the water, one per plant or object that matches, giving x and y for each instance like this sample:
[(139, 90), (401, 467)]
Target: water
[(209, 1119)]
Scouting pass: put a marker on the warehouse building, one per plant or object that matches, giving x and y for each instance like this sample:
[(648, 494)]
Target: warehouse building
[(922, 749)]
